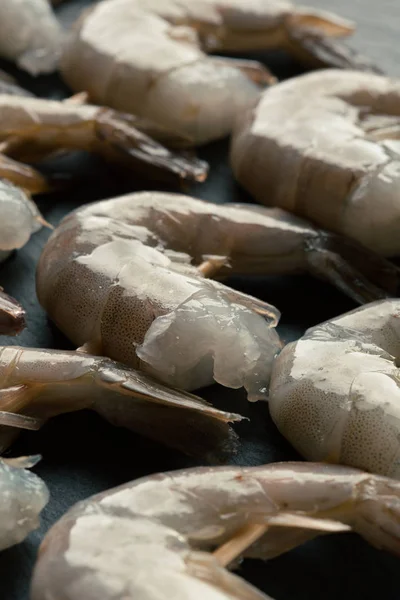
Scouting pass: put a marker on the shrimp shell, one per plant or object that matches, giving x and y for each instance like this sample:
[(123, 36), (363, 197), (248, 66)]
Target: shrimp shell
[(335, 393), (30, 35), (111, 546), (125, 278), (325, 146), (22, 497)]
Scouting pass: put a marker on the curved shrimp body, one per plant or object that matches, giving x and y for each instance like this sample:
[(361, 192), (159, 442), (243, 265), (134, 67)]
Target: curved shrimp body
[(30, 35), (36, 385), (149, 57), (31, 127), (22, 497), (168, 523), (335, 393), (325, 146), (126, 277)]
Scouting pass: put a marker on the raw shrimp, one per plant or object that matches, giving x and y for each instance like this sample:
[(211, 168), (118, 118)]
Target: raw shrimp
[(148, 57), (125, 278), (36, 385), (29, 126), (22, 497), (326, 146), (30, 35), (335, 393), (112, 545), (19, 219)]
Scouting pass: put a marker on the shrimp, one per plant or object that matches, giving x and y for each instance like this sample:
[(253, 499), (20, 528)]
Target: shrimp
[(22, 497), (111, 545), (326, 146), (19, 219), (125, 278), (149, 57), (36, 385), (30, 35), (29, 126), (335, 392)]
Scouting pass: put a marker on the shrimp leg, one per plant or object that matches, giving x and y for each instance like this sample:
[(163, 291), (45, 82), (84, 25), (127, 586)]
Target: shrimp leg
[(23, 176), (43, 383), (12, 315)]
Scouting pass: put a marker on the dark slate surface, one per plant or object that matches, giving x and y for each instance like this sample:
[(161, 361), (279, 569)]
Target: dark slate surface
[(83, 455)]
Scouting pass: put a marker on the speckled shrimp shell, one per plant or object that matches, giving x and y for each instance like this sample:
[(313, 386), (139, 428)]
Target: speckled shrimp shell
[(149, 57), (30, 35), (325, 146), (126, 278), (22, 497), (335, 393), (150, 539)]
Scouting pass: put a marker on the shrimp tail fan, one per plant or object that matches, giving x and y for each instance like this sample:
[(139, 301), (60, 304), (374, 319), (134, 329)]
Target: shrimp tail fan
[(357, 271)]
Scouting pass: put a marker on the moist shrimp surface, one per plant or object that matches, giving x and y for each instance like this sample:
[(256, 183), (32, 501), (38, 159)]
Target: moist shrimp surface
[(326, 146), (126, 278), (36, 385), (22, 497), (33, 127), (335, 392), (113, 544), (30, 35), (149, 57)]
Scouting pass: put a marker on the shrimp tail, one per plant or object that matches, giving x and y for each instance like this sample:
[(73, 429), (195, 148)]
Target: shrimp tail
[(120, 141), (354, 269), (311, 37), (12, 315)]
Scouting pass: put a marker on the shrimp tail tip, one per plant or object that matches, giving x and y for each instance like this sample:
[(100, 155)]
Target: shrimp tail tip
[(356, 270)]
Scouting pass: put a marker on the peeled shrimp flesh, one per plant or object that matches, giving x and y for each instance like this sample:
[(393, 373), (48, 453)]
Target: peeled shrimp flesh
[(125, 278), (36, 385), (151, 538), (30, 35), (149, 57), (22, 497), (335, 393), (326, 146), (33, 127)]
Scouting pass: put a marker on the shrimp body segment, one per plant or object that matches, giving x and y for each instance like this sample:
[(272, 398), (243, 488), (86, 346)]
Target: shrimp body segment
[(30, 35), (32, 127), (125, 277), (150, 57), (36, 385), (168, 523), (22, 497), (335, 393), (326, 146)]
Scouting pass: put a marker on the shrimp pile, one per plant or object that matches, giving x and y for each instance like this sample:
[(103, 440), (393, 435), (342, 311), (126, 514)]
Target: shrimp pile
[(325, 146), (126, 278), (32, 127), (30, 35), (36, 385), (149, 57), (111, 545), (22, 497), (335, 392)]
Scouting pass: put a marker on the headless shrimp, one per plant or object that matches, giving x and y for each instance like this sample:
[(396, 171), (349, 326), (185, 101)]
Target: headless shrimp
[(125, 278), (149, 57), (113, 543), (326, 146), (36, 385), (19, 219), (31, 127), (335, 393), (22, 497), (30, 35)]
